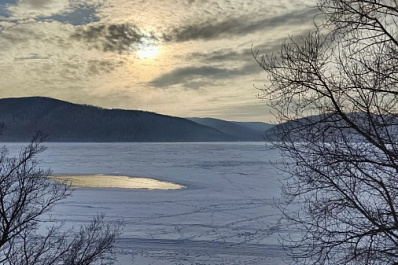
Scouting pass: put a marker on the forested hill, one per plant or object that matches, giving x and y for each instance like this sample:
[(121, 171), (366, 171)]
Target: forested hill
[(66, 122)]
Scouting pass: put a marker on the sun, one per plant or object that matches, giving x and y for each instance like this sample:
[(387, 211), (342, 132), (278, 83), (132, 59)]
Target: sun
[(147, 48), (148, 52)]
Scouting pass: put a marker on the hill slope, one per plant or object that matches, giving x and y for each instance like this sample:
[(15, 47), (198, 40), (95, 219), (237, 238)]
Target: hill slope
[(64, 121), (258, 126), (243, 131)]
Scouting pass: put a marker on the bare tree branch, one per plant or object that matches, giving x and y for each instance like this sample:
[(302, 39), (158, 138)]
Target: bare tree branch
[(26, 195), (335, 94)]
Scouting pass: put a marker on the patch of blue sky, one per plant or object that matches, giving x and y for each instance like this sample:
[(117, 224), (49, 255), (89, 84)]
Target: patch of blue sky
[(79, 16), (3, 7)]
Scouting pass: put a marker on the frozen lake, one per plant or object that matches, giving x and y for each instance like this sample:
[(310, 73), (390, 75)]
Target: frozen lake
[(225, 215)]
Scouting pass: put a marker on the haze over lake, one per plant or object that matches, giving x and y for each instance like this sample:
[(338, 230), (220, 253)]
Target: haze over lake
[(224, 215)]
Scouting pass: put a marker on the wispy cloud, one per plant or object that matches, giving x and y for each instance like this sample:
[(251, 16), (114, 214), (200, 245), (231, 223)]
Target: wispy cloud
[(192, 77), (96, 67), (236, 26), (30, 9), (243, 55)]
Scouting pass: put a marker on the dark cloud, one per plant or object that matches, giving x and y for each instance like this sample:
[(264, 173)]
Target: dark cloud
[(226, 55), (183, 75), (113, 38), (236, 26), (195, 77), (220, 55)]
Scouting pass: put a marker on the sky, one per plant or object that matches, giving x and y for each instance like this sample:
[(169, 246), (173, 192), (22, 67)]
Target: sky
[(186, 58)]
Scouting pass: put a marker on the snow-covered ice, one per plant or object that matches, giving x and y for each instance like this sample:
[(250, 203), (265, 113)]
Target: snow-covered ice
[(225, 215), (110, 181)]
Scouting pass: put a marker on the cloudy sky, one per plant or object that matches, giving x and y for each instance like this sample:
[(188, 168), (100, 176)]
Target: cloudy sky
[(188, 58)]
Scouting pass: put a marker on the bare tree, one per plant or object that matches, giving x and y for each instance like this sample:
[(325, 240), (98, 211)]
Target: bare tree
[(335, 92), (27, 234)]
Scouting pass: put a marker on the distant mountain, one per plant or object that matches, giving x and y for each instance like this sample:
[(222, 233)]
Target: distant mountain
[(64, 121), (243, 131), (259, 126)]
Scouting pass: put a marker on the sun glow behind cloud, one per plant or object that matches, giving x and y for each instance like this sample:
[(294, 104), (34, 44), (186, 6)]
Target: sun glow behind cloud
[(182, 58), (148, 52), (148, 48)]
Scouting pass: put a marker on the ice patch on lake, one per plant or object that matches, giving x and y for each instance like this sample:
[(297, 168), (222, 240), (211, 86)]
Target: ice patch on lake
[(124, 182)]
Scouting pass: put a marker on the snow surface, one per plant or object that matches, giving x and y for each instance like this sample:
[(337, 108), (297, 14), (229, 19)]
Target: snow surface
[(110, 181), (224, 216)]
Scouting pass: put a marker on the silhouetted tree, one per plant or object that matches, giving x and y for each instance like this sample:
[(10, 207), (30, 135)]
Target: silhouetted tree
[(335, 93), (27, 235)]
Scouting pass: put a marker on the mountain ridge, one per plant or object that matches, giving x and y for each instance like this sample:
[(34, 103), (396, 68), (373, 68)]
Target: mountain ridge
[(69, 122)]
